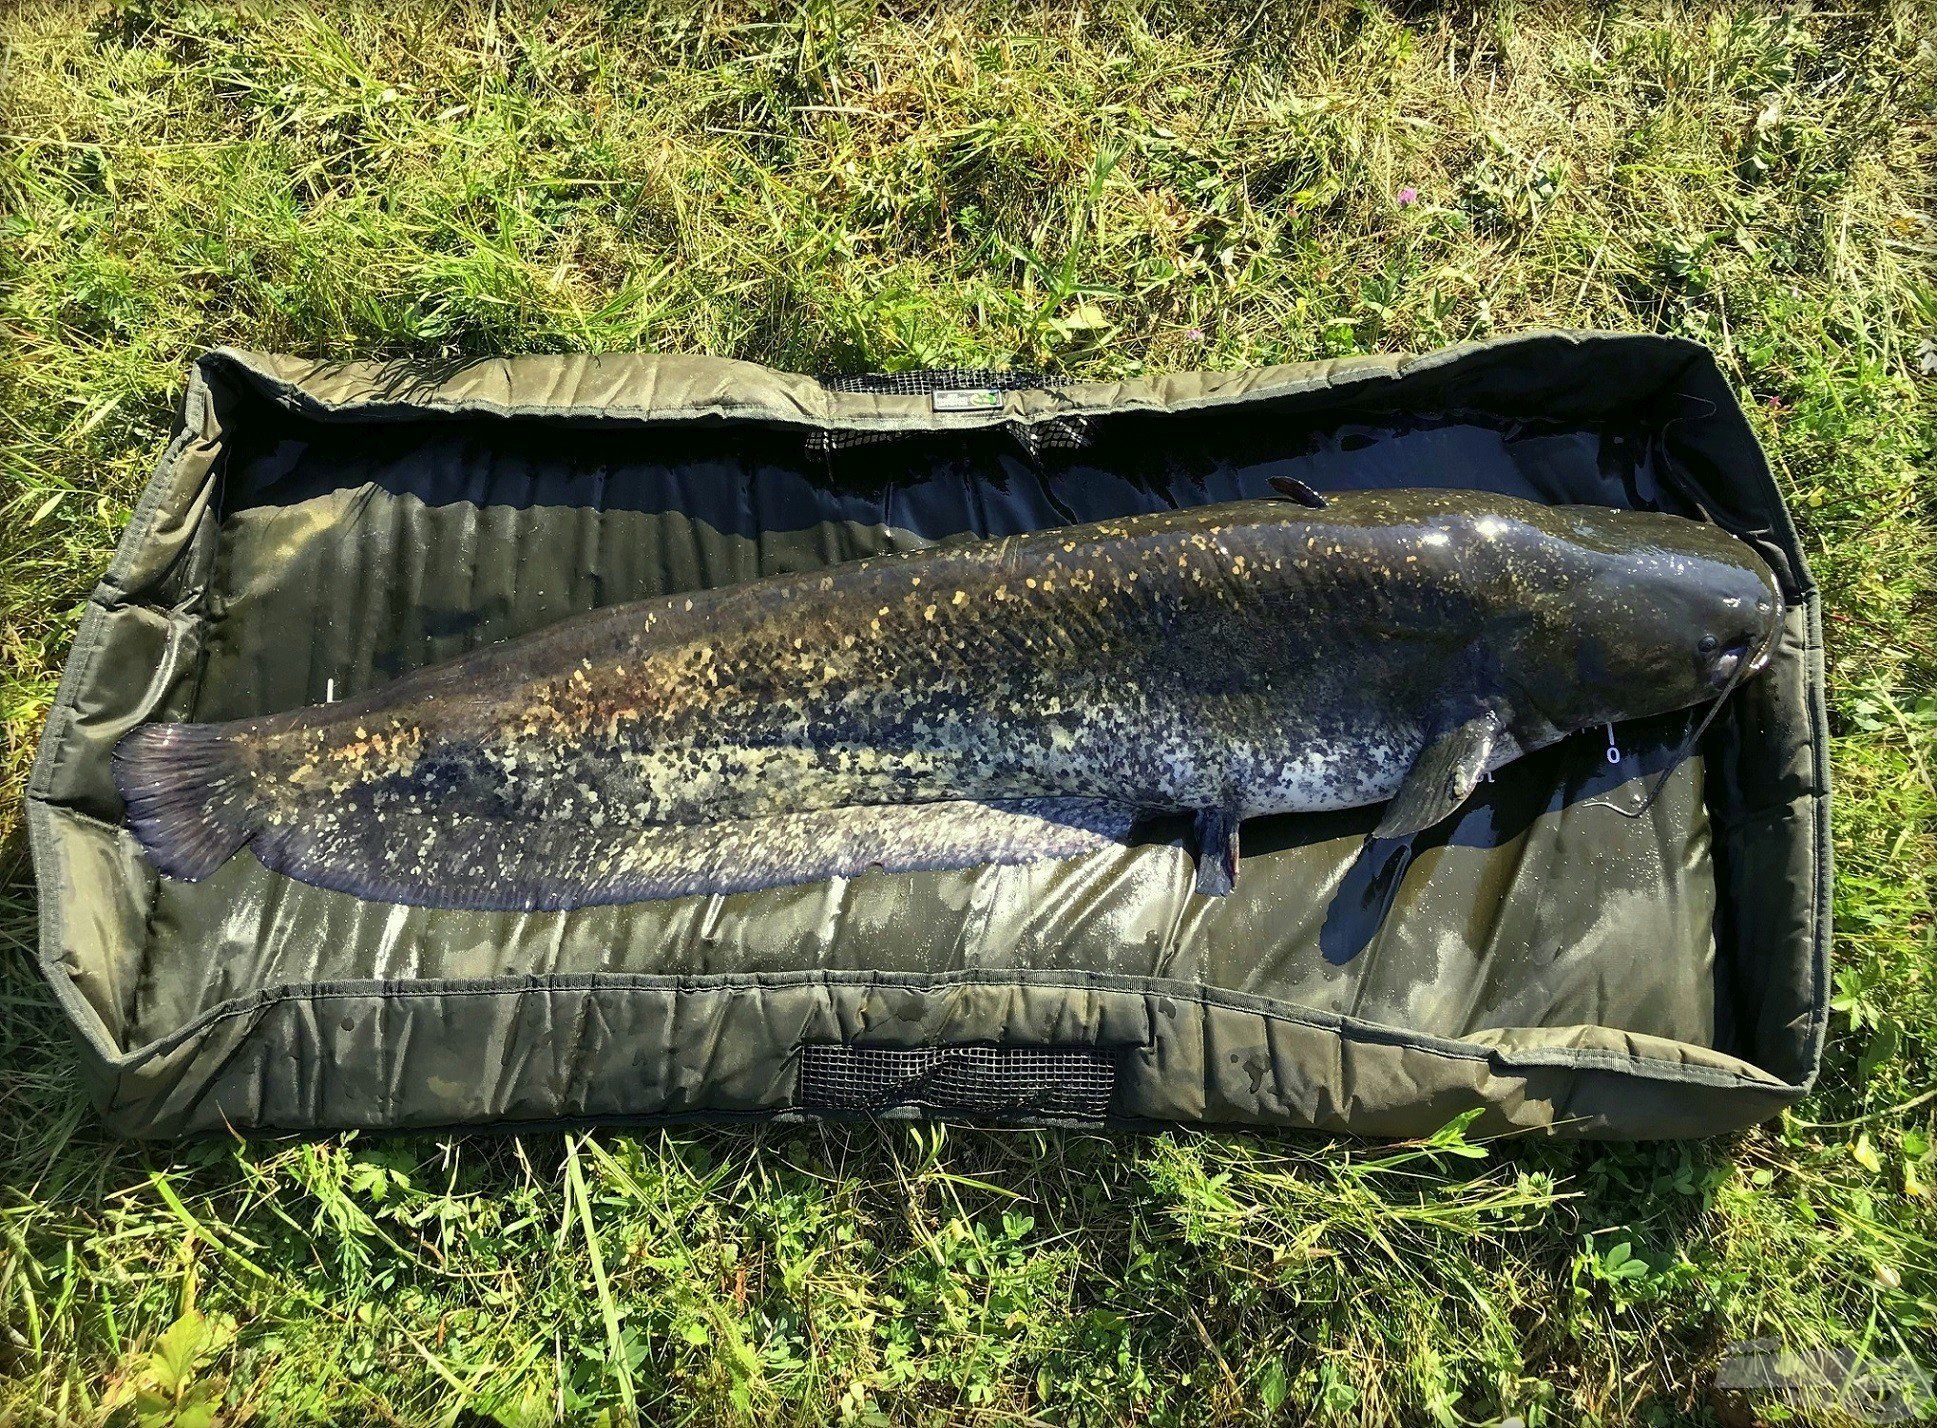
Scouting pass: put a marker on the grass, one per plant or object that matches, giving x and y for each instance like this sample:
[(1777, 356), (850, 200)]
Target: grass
[(1100, 189)]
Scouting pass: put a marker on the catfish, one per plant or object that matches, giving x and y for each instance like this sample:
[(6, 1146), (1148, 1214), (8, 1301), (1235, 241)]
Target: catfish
[(1041, 696)]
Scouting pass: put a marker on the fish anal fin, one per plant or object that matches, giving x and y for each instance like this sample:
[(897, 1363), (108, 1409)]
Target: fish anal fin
[(500, 865), (1442, 777)]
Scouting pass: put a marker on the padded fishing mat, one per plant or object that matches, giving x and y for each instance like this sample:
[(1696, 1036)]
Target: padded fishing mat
[(316, 530)]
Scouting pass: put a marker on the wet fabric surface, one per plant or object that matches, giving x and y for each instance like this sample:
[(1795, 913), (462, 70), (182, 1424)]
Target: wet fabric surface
[(351, 554), (316, 529)]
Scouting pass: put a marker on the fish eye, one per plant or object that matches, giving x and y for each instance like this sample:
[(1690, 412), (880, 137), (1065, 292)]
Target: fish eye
[(1708, 644)]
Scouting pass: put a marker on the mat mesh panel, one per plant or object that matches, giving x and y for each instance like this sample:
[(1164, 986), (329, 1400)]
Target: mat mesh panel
[(1076, 1082), (1065, 433)]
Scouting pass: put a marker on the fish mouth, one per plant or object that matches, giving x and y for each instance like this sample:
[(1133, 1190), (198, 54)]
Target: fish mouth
[(1743, 657), (1727, 664), (1750, 655)]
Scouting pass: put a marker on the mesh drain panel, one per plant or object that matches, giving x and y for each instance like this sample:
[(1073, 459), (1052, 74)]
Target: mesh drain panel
[(1065, 433), (1072, 1082)]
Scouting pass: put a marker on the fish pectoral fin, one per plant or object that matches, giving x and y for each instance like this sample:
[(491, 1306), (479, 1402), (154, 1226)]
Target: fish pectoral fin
[(1441, 778), (1217, 851), (1292, 489)]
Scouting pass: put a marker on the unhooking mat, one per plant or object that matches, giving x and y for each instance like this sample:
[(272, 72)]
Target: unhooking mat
[(317, 529)]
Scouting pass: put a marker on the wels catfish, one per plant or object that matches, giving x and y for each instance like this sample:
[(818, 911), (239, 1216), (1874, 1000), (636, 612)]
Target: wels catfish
[(998, 702)]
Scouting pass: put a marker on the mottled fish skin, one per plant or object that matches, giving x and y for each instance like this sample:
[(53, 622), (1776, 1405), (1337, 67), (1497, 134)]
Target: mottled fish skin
[(1248, 658)]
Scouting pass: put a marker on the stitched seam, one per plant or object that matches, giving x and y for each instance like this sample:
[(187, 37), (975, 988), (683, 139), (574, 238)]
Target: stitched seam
[(1559, 1057), (1326, 375)]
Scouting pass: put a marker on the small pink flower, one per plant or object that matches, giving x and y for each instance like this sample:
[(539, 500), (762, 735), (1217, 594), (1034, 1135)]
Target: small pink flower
[(1407, 197), (1196, 334)]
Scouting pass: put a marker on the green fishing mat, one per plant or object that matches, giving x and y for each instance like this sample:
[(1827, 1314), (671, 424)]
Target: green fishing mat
[(315, 530)]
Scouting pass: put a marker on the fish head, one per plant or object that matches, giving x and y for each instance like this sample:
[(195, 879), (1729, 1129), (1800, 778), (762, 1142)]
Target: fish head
[(1649, 614)]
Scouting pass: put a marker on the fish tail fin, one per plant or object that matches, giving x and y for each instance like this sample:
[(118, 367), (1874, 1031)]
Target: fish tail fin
[(187, 791)]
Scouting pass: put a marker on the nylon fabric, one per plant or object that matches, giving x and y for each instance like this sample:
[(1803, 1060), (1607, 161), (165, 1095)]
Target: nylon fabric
[(315, 530)]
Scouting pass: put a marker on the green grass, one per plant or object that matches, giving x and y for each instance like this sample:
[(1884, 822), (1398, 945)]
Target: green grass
[(1096, 190)]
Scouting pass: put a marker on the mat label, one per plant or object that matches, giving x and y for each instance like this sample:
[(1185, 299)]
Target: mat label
[(966, 399)]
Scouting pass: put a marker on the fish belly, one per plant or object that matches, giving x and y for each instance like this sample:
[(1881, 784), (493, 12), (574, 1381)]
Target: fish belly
[(1330, 774)]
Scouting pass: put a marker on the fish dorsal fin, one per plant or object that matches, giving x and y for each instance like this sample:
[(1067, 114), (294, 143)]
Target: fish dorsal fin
[(1292, 489), (1442, 777)]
